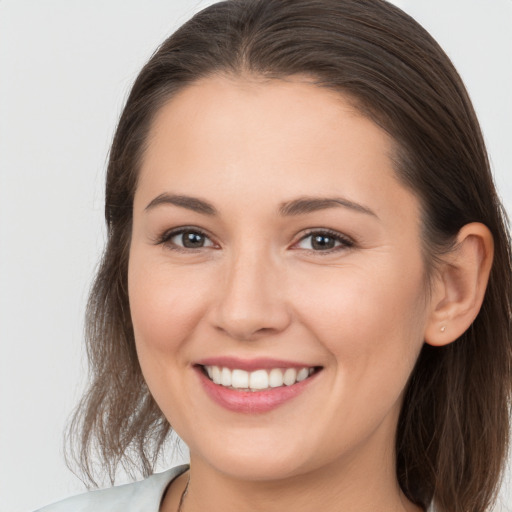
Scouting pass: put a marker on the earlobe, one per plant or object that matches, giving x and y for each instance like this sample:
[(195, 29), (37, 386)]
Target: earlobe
[(460, 285)]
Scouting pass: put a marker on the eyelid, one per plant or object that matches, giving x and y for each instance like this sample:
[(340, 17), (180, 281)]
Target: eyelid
[(346, 242), (166, 236)]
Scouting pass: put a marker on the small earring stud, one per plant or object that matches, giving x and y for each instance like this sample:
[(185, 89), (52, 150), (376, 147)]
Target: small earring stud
[(443, 328)]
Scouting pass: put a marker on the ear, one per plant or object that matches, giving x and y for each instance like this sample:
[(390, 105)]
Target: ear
[(460, 285)]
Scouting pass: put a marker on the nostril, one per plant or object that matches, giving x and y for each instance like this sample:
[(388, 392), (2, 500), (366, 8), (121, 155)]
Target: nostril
[(245, 332)]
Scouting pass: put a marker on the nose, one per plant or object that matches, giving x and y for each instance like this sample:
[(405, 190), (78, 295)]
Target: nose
[(251, 301)]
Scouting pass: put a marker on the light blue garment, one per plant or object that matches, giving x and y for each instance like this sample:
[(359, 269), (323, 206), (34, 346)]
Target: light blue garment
[(144, 496)]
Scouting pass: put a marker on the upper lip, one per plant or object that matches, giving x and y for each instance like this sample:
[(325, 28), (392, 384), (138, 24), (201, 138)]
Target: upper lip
[(260, 363)]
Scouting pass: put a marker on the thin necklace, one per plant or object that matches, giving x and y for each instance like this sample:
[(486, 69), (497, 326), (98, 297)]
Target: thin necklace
[(183, 494)]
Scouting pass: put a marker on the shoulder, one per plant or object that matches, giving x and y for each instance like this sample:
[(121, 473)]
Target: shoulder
[(143, 496)]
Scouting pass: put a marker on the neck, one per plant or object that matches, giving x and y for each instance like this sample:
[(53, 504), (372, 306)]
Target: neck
[(362, 483)]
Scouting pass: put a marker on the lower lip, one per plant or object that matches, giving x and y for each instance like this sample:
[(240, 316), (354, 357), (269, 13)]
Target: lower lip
[(252, 402)]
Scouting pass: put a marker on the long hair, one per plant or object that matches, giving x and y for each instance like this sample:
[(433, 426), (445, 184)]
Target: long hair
[(453, 430)]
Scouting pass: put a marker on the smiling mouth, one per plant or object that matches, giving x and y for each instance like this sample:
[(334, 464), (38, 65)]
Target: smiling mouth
[(258, 380)]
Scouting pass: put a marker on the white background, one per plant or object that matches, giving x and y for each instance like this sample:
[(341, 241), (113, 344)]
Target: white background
[(65, 69)]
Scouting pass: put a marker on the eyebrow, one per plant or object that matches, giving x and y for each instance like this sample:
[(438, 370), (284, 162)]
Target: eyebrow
[(191, 203), (299, 206), (304, 205)]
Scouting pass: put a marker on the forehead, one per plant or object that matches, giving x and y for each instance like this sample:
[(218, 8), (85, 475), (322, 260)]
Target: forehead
[(266, 138), (240, 105), (255, 113)]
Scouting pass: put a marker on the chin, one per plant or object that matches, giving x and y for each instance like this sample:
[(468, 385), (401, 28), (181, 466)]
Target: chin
[(260, 457), (257, 467)]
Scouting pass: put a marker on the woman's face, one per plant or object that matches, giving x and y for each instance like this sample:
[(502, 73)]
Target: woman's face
[(270, 235)]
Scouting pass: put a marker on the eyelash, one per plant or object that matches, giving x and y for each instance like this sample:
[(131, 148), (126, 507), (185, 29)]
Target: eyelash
[(344, 241), (165, 238)]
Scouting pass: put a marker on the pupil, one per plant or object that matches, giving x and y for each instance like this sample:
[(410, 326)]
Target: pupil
[(323, 242), (193, 240)]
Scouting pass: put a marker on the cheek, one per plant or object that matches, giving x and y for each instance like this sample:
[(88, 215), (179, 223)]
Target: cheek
[(371, 319), (164, 305)]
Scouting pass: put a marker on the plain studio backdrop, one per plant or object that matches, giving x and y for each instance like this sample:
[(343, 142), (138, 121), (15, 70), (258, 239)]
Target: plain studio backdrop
[(65, 70)]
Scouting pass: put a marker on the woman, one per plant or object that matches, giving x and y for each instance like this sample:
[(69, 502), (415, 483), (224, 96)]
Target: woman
[(308, 273)]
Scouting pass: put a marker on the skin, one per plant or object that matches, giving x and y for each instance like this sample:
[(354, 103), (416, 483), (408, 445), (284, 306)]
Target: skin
[(258, 288)]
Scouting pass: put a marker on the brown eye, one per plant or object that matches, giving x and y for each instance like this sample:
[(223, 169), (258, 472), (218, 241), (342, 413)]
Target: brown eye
[(186, 239), (324, 241), (192, 240)]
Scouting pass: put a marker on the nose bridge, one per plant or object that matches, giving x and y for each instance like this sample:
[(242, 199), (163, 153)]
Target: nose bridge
[(251, 301)]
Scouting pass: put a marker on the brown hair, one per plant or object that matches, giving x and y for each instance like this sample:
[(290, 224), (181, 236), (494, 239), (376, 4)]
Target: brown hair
[(453, 430)]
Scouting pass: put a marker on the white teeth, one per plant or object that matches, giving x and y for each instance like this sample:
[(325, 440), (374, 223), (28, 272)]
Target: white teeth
[(275, 378), (302, 374), (290, 376), (216, 374), (258, 379), (239, 379), (225, 377)]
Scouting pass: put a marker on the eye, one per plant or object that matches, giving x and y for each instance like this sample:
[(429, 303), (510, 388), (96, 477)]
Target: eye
[(185, 239), (324, 241)]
